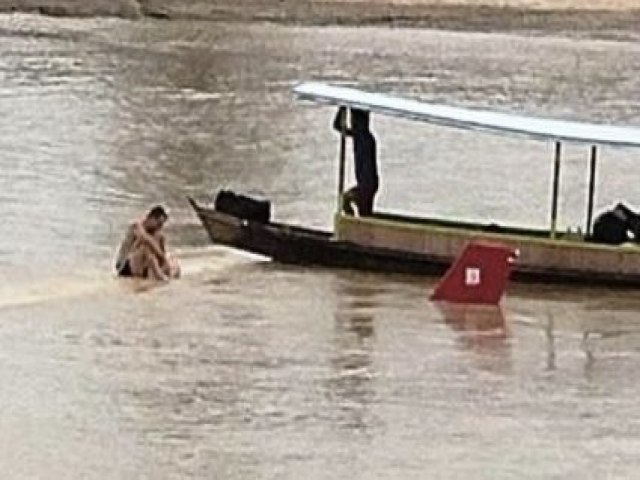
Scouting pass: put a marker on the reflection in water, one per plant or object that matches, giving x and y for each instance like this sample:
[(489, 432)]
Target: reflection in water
[(551, 344), (587, 348), (597, 323), (480, 328), (485, 320), (352, 362)]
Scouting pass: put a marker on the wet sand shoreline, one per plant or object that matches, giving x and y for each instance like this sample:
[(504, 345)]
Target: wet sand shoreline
[(596, 18)]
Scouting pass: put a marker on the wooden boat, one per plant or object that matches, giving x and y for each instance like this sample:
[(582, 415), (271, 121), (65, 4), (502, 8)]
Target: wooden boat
[(404, 244)]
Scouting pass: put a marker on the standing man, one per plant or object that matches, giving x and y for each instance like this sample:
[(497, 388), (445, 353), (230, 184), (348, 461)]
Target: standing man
[(364, 155), (142, 252)]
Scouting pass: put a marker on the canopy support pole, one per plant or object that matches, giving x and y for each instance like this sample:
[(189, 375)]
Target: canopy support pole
[(556, 182), (592, 187), (341, 167)]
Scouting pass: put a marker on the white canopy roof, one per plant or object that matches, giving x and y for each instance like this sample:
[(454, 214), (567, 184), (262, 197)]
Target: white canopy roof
[(538, 128)]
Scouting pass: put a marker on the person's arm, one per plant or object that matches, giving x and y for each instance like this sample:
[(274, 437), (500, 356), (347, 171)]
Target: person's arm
[(158, 272), (143, 236), (340, 122), (161, 244)]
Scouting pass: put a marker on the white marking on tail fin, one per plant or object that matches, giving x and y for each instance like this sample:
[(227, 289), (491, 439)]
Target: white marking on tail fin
[(472, 276)]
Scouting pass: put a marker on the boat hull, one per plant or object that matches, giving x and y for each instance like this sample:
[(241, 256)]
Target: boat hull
[(400, 247), (297, 245)]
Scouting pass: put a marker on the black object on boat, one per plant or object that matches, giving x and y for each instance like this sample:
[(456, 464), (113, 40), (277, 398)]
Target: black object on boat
[(242, 206), (613, 226)]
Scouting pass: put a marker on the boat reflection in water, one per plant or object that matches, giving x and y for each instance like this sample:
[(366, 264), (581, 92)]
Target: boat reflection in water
[(351, 385)]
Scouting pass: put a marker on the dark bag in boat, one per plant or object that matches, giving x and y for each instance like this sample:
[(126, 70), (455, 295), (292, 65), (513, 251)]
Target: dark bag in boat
[(609, 229), (613, 226), (242, 206)]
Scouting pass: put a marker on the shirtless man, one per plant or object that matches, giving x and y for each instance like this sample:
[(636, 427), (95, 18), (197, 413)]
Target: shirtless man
[(142, 252)]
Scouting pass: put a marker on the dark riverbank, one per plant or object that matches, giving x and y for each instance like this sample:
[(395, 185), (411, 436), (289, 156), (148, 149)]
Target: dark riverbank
[(611, 22), (70, 8)]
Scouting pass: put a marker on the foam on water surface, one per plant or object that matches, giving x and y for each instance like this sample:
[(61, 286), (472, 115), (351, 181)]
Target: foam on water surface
[(194, 263)]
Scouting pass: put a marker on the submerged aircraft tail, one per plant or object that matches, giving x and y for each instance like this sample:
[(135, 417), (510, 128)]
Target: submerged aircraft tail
[(479, 275)]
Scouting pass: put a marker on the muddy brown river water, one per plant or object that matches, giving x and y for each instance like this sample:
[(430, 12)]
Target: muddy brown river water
[(247, 369)]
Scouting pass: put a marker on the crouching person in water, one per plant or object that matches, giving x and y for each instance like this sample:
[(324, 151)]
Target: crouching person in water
[(142, 252), (364, 155)]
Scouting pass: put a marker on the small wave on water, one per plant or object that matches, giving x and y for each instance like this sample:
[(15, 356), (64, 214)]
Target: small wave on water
[(188, 94), (195, 263)]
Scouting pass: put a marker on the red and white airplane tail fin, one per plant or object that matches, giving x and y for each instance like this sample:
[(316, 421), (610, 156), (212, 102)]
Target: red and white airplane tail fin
[(479, 275)]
